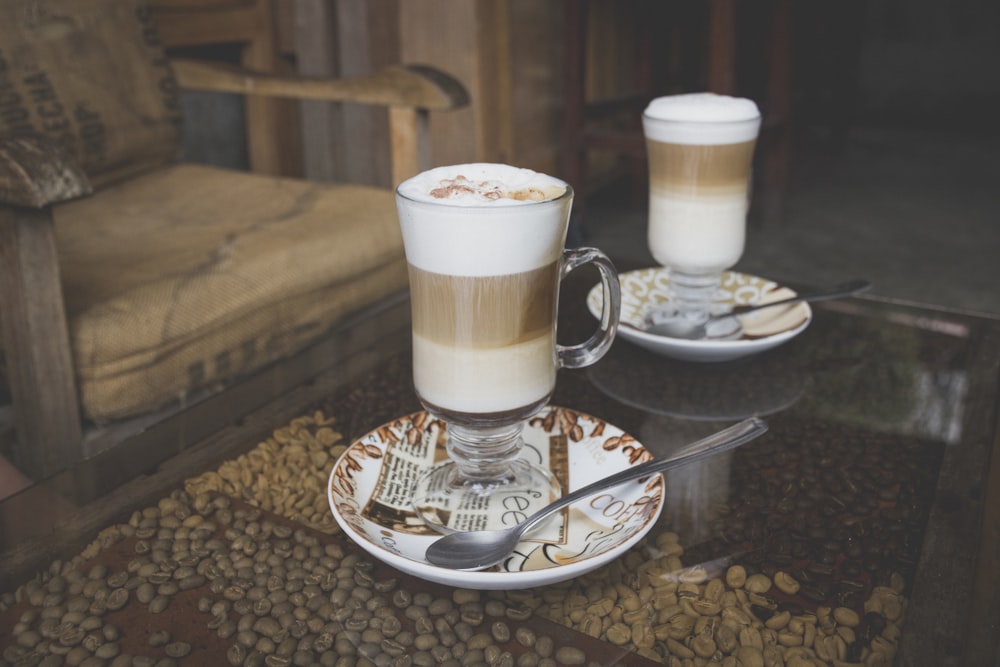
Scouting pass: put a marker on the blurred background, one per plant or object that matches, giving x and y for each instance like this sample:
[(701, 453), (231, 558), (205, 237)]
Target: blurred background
[(879, 156)]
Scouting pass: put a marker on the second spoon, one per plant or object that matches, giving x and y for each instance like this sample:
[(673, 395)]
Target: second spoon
[(693, 330)]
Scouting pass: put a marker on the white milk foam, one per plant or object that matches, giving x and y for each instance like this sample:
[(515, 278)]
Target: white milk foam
[(701, 119), (479, 380), (476, 219), (481, 184)]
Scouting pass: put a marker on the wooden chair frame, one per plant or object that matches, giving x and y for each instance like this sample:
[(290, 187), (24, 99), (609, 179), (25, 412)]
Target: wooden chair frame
[(34, 178)]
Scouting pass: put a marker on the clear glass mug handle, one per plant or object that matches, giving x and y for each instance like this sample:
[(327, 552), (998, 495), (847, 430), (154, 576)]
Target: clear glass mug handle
[(590, 351)]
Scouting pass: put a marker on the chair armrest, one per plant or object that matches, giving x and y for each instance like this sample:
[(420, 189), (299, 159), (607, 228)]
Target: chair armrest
[(413, 86), (410, 92), (35, 174)]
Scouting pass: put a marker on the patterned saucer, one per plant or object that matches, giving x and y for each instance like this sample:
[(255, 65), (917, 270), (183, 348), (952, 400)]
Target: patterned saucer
[(645, 289), (371, 484)]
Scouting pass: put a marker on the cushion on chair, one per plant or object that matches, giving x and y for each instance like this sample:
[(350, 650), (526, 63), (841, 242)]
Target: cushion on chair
[(89, 76), (245, 269)]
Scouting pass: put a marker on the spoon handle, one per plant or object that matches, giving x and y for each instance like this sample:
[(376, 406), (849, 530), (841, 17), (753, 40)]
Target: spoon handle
[(823, 294), (724, 440)]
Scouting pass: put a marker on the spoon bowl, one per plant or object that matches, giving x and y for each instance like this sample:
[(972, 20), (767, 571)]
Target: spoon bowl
[(726, 326), (479, 549)]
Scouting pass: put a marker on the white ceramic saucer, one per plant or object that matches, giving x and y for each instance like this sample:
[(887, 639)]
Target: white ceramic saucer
[(370, 486), (645, 289)]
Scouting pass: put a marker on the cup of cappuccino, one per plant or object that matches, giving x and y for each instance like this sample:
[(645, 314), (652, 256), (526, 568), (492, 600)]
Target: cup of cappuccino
[(700, 151), (485, 249)]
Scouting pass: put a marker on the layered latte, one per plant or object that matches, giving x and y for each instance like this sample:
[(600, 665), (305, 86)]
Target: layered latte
[(483, 243), (700, 151)]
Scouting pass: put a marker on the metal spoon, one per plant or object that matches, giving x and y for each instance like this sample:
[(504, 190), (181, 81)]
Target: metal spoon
[(482, 548), (693, 330)]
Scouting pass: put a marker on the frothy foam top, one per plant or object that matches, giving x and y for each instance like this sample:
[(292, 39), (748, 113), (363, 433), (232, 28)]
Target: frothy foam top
[(702, 107), (701, 118), (478, 223), (482, 184)]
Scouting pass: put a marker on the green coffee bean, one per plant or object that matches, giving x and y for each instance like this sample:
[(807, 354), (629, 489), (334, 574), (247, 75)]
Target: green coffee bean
[(570, 655)]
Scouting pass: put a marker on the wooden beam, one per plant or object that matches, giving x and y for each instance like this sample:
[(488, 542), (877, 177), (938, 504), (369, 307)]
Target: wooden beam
[(409, 138), (323, 156), (35, 175), (722, 47), (36, 342), (192, 26), (494, 128), (252, 26), (419, 87), (264, 116)]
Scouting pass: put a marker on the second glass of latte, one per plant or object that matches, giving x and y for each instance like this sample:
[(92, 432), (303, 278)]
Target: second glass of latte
[(485, 249), (700, 151)]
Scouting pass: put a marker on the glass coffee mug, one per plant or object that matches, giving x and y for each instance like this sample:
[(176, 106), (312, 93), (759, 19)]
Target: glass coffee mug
[(485, 249), (700, 150)]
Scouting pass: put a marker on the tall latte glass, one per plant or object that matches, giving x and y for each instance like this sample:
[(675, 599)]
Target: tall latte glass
[(700, 151), (485, 248)]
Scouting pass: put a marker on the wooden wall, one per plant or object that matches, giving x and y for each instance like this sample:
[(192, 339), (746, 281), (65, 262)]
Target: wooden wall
[(215, 29), (508, 53), (343, 143)]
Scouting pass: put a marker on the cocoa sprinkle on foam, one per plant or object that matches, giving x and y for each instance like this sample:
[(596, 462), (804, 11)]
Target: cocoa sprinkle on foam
[(460, 186)]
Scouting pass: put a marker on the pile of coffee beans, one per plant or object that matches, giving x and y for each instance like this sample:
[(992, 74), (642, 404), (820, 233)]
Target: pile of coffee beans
[(700, 616), (808, 561), (286, 474), (267, 594), (270, 594), (808, 565)]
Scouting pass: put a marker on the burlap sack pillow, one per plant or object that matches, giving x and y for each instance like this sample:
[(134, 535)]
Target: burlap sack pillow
[(91, 77), (242, 270)]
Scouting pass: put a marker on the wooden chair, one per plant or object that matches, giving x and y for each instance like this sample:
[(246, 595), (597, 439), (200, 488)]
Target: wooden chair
[(253, 30), (131, 283)]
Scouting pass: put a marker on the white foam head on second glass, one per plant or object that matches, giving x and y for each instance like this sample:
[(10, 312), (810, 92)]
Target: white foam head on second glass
[(701, 118)]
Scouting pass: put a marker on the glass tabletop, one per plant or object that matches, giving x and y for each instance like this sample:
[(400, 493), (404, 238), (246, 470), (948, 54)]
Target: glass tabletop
[(861, 529)]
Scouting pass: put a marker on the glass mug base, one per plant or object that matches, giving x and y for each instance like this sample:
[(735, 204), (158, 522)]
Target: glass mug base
[(448, 502), (694, 309), (695, 294), (486, 483)]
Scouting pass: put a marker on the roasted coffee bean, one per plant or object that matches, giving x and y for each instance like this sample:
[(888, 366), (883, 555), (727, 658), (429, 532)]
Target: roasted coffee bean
[(813, 593), (820, 568)]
